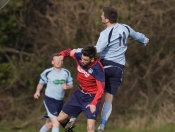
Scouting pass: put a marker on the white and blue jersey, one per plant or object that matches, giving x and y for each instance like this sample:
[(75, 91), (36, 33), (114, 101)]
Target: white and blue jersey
[(112, 42), (54, 79)]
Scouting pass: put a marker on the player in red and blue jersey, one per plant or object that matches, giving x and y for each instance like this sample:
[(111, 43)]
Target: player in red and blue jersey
[(91, 78)]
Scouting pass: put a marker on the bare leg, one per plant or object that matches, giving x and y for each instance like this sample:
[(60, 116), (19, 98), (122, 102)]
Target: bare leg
[(91, 125), (62, 117), (47, 126), (55, 123)]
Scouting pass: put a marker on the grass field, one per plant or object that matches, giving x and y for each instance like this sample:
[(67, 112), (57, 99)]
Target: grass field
[(82, 128)]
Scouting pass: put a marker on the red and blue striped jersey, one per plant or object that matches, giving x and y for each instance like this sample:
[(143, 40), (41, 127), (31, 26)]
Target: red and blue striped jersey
[(92, 78)]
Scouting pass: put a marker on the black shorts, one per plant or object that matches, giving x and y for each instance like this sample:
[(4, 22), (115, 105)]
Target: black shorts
[(113, 76), (77, 104), (53, 107)]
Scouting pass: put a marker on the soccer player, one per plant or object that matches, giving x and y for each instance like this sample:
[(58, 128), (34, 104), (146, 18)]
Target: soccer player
[(112, 46), (58, 80), (91, 79)]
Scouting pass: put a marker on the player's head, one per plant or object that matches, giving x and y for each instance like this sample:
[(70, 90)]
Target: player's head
[(109, 14), (56, 60), (88, 55)]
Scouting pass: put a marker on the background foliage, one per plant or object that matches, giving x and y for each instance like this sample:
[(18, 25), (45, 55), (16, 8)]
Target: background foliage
[(31, 31)]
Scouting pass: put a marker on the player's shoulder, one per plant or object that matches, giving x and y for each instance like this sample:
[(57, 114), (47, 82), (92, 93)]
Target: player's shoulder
[(122, 26), (77, 55), (66, 71), (48, 70), (98, 66)]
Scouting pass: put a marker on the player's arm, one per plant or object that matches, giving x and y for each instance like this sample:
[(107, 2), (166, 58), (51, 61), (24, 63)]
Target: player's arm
[(99, 93), (97, 97), (139, 37), (42, 81), (65, 86), (68, 52), (68, 84), (38, 89), (69, 80), (102, 42)]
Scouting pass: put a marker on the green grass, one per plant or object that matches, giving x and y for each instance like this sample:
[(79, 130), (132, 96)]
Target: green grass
[(81, 127)]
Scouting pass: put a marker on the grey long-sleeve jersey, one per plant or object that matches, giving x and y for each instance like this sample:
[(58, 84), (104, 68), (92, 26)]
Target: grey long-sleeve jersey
[(112, 42)]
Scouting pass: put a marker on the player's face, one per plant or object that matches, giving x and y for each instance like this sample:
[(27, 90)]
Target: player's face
[(103, 19), (57, 61), (85, 60)]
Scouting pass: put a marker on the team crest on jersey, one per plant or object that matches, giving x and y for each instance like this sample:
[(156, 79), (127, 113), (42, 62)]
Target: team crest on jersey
[(90, 70), (83, 71)]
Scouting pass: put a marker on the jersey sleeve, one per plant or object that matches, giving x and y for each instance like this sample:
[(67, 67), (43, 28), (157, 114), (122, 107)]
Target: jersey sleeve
[(100, 81), (102, 42), (69, 79), (100, 92), (65, 53), (43, 77), (139, 37)]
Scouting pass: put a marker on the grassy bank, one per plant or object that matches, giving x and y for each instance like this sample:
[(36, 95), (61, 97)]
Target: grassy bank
[(82, 128)]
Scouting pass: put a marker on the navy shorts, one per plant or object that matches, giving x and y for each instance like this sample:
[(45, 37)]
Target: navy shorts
[(78, 102), (113, 76), (53, 107)]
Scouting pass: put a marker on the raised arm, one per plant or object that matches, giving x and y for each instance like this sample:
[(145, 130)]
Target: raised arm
[(137, 36), (68, 52)]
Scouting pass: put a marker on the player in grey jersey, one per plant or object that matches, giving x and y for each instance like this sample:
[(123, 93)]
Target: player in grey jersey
[(58, 80), (112, 46)]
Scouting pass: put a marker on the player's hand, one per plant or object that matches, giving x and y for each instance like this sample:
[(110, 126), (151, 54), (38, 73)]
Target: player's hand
[(147, 39), (60, 57), (37, 95), (64, 86), (73, 52), (92, 108)]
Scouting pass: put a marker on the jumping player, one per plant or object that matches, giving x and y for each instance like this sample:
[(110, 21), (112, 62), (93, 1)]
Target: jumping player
[(112, 46)]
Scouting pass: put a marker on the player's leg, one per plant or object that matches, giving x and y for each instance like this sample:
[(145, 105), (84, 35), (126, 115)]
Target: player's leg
[(55, 124), (91, 125), (62, 117), (47, 126), (53, 107), (91, 117), (73, 108), (113, 80), (71, 123), (106, 110)]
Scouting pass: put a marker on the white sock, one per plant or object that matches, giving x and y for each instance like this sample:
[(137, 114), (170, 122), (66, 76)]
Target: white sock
[(43, 129), (106, 112), (72, 119), (55, 129)]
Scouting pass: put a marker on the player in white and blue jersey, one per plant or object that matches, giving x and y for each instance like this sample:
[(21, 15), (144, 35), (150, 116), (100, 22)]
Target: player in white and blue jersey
[(57, 80), (112, 47)]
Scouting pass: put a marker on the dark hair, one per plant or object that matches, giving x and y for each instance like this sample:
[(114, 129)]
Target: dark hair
[(89, 51), (111, 14), (55, 54)]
